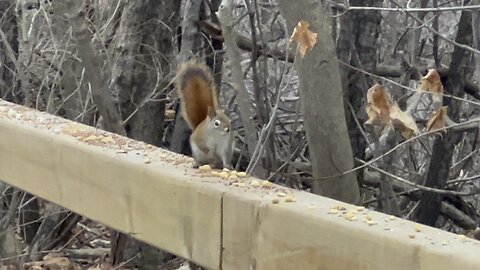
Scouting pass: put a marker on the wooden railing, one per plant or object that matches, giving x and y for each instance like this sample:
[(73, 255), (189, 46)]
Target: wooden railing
[(218, 222)]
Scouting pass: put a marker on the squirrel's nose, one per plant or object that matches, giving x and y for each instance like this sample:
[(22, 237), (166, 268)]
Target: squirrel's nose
[(227, 129)]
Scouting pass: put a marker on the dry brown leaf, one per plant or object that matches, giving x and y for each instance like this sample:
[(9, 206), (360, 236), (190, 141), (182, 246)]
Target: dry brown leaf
[(432, 82), (305, 38), (403, 121), (378, 107), (437, 120)]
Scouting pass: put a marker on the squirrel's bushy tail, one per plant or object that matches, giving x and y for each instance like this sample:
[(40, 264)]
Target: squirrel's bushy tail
[(196, 88)]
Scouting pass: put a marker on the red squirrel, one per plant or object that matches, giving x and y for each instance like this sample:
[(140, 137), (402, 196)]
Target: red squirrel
[(212, 138)]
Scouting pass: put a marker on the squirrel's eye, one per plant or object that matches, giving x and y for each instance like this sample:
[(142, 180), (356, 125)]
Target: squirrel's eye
[(216, 123)]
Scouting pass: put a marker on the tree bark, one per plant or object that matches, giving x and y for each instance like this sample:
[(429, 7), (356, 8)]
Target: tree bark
[(35, 91), (356, 45), (234, 62), (215, 51), (54, 230), (189, 46), (140, 75), (415, 35), (8, 82), (322, 101), (102, 96), (439, 170), (476, 34), (141, 72), (74, 92)]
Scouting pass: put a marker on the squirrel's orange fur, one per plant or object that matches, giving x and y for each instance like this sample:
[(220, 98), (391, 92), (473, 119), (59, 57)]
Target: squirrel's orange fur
[(196, 86), (211, 140)]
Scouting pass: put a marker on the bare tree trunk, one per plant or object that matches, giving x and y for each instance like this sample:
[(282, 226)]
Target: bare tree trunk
[(439, 170), (52, 231), (357, 46), (476, 35), (189, 46), (9, 244), (359, 33), (141, 74), (8, 52), (234, 62), (141, 71), (415, 48), (102, 96), (36, 91), (323, 110), (76, 100), (215, 52), (27, 29), (29, 217)]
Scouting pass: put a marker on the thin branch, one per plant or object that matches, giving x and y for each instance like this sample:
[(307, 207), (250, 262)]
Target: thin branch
[(234, 61), (416, 185), (343, 7), (465, 47), (476, 120), (262, 141), (463, 179), (405, 87)]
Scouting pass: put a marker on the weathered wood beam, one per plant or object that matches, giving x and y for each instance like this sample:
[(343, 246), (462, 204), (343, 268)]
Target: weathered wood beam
[(157, 197)]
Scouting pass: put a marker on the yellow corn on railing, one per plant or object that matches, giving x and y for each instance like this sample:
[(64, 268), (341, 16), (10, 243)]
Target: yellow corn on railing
[(219, 220)]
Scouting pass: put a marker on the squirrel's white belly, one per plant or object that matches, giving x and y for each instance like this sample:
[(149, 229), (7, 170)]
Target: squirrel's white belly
[(202, 157), (218, 151)]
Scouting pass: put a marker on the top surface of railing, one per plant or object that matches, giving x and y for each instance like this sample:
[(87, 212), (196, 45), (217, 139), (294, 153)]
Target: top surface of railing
[(218, 222)]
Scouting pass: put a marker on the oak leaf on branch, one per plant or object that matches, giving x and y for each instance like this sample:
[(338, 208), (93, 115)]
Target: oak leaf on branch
[(432, 82), (378, 107), (305, 38), (382, 112), (437, 121), (403, 121)]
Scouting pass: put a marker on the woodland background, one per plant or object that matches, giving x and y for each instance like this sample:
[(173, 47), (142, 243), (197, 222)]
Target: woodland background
[(308, 122)]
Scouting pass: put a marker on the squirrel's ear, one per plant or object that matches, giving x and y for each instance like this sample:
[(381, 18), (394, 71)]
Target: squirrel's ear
[(211, 112)]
